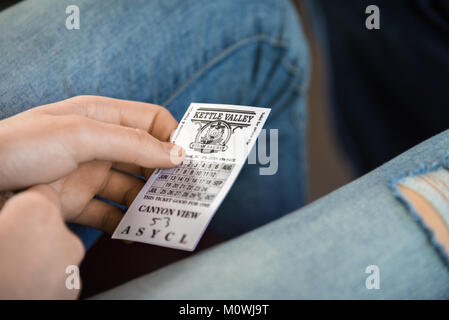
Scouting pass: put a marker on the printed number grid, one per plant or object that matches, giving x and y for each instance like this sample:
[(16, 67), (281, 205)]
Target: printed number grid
[(192, 180)]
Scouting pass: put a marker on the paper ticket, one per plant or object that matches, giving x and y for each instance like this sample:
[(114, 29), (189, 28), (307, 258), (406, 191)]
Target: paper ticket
[(175, 206)]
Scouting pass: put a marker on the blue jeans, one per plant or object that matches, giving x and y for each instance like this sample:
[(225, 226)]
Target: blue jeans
[(172, 52), (320, 251)]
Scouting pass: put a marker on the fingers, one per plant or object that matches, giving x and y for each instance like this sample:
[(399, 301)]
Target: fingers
[(94, 140), (121, 188), (118, 187), (149, 117), (47, 192), (133, 169), (129, 168), (100, 215)]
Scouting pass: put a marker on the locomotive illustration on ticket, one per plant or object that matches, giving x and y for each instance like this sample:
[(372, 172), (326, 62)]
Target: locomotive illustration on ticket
[(175, 206)]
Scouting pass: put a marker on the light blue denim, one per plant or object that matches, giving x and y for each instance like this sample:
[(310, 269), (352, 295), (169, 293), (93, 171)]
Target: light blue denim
[(320, 251), (172, 52)]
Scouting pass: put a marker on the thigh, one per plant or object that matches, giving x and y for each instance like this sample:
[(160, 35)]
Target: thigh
[(149, 51)]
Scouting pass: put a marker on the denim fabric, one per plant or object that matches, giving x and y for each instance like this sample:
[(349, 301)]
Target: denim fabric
[(320, 251), (434, 195), (172, 52), (433, 185)]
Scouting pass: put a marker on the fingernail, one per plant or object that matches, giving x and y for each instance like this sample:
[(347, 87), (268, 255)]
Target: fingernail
[(177, 154)]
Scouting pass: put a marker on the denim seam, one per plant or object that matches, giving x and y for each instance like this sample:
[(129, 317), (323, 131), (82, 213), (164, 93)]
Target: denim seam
[(422, 169), (229, 50)]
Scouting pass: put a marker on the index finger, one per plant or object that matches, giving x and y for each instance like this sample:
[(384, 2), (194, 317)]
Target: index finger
[(152, 118)]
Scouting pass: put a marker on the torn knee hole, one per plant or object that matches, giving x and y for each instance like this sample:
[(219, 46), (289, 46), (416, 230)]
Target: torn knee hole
[(428, 195)]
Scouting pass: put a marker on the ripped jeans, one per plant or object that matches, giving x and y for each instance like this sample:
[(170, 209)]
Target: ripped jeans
[(359, 242)]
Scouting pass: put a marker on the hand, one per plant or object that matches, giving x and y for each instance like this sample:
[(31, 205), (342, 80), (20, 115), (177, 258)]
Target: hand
[(36, 247), (73, 144)]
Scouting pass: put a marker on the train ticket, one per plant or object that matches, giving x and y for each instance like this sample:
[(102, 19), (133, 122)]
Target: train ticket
[(175, 206)]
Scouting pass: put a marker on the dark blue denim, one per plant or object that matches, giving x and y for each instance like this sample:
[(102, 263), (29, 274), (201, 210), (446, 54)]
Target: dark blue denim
[(388, 87)]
